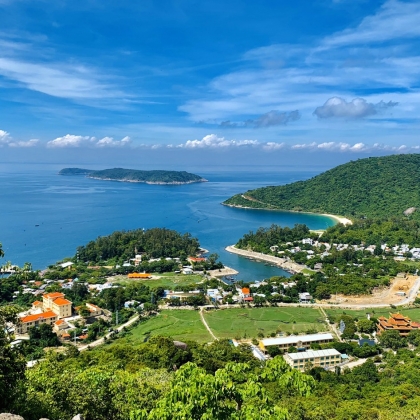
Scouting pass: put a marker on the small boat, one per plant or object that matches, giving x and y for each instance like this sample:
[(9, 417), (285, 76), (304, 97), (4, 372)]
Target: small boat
[(36, 225)]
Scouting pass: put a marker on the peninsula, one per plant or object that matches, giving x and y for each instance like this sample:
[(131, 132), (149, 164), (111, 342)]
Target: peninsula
[(133, 175), (375, 187)]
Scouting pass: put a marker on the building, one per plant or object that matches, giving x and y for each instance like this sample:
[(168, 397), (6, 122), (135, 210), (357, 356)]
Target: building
[(93, 309), (36, 320), (196, 260), (397, 322), (301, 342), (139, 276), (305, 297), (57, 303), (317, 358)]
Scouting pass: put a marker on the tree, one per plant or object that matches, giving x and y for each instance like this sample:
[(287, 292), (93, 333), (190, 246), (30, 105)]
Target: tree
[(366, 326), (392, 339), (12, 363)]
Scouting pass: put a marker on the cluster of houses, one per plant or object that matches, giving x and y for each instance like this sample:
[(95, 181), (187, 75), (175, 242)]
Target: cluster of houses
[(55, 310), (399, 251)]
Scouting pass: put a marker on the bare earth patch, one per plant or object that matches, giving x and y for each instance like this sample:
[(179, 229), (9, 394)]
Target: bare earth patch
[(386, 296)]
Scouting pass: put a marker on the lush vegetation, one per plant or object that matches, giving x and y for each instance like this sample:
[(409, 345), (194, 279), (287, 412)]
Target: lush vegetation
[(75, 171), (134, 175), (374, 187), (347, 264), (391, 231), (153, 243)]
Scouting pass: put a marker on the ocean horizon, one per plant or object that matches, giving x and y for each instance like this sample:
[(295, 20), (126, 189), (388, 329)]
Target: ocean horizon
[(46, 216)]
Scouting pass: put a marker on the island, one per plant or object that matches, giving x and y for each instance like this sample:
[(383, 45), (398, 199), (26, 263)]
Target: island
[(366, 188), (159, 177)]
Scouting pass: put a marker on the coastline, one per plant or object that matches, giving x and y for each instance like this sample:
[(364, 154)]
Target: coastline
[(286, 265), (338, 219), (149, 182)]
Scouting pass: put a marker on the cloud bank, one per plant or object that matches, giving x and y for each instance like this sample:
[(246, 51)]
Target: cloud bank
[(336, 107), (269, 119)]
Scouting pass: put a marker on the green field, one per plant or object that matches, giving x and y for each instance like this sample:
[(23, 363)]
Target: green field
[(413, 313), (179, 324), (166, 280), (248, 322)]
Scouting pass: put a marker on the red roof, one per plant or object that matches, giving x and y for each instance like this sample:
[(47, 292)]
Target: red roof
[(53, 295), (246, 291), (61, 302), (36, 317), (248, 299)]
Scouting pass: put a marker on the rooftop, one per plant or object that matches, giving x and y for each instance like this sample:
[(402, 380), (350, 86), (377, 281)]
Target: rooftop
[(292, 339), (313, 354), (43, 315)]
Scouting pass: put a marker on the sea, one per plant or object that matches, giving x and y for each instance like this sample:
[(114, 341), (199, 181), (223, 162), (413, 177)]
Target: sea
[(44, 216)]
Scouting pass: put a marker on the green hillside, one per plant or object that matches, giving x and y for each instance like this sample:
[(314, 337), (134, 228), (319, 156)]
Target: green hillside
[(373, 187), (134, 175)]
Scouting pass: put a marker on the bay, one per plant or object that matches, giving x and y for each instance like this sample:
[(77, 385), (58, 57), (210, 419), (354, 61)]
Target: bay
[(44, 216)]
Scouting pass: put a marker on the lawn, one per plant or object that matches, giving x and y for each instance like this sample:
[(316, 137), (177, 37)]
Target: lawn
[(248, 322), (178, 324), (166, 280), (413, 313)]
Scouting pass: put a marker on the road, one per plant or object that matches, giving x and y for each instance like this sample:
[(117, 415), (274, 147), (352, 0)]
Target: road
[(101, 340)]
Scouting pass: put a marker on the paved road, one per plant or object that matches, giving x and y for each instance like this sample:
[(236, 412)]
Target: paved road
[(101, 340)]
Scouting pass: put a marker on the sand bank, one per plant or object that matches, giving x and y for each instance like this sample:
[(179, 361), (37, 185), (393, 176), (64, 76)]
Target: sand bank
[(283, 263)]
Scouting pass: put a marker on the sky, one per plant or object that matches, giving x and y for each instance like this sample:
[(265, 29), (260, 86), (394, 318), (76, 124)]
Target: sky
[(170, 82)]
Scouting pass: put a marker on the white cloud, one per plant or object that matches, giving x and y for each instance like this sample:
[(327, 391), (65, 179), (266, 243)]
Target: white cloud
[(110, 142), (336, 107), (395, 19), (24, 144), (4, 137), (213, 141), (70, 140), (269, 146)]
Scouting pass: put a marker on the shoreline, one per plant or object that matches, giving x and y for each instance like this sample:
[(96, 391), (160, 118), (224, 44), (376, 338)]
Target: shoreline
[(149, 182), (289, 266), (338, 219)]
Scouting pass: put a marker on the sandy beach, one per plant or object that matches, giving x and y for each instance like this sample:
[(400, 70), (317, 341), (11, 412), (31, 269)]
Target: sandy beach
[(226, 271), (286, 265)]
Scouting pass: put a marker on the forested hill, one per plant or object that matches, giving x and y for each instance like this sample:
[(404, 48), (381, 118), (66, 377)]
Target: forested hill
[(373, 187), (134, 175)]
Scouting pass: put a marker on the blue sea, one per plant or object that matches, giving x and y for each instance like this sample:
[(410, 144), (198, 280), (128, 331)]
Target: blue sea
[(45, 216)]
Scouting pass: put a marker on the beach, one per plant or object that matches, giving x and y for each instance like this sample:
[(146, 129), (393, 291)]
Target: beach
[(286, 265)]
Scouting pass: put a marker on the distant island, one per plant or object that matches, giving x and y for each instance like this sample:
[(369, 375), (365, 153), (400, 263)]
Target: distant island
[(134, 175), (375, 187)]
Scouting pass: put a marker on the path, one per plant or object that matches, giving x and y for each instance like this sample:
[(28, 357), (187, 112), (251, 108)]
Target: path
[(205, 324), (331, 327)]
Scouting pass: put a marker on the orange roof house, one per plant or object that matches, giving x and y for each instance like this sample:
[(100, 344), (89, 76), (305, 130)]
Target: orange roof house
[(397, 322), (196, 259), (139, 276), (37, 317)]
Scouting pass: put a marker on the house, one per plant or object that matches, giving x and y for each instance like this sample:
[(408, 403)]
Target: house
[(66, 264), (130, 304), (317, 358), (196, 259), (245, 294), (187, 270), (57, 303), (137, 259), (37, 305), (139, 276), (397, 322), (29, 321), (301, 342), (305, 297), (60, 325), (93, 309)]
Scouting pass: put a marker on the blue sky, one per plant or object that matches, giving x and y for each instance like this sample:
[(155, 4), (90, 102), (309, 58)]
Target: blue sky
[(158, 82)]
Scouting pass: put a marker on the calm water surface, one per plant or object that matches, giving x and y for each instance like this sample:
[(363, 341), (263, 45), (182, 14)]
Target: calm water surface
[(72, 210)]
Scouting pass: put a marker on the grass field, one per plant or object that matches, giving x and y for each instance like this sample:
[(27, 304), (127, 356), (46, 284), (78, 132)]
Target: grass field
[(248, 322), (178, 324), (166, 280), (413, 313)]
